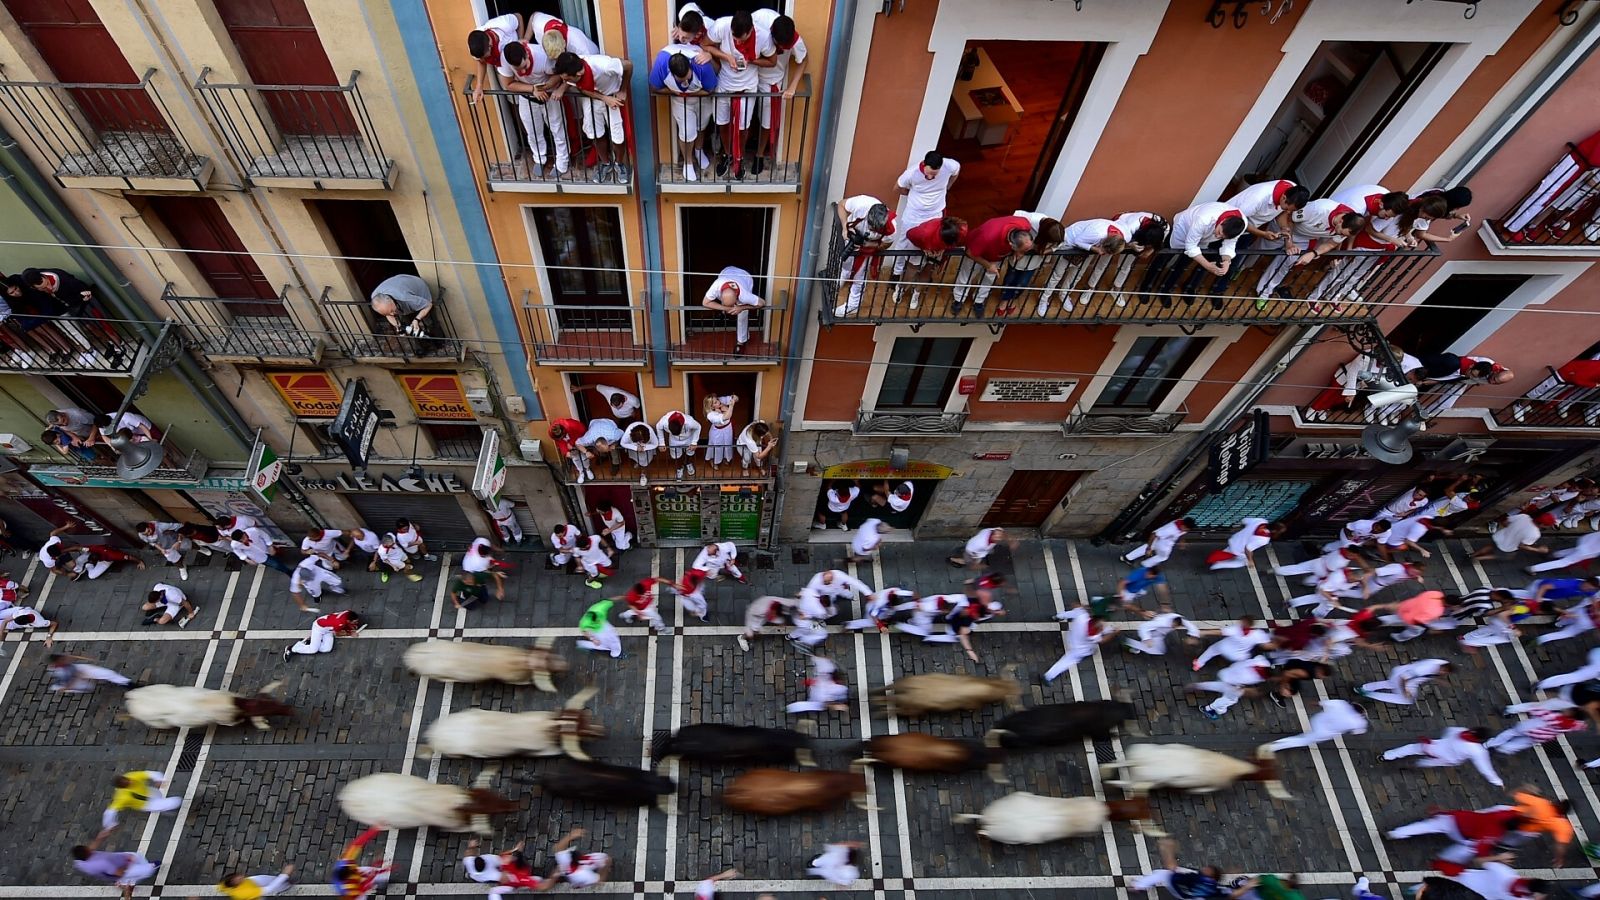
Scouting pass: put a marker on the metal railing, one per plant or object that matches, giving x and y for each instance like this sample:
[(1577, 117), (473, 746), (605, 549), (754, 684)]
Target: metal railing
[(525, 144), (1562, 210), (908, 422), (1123, 421), (706, 335), (363, 334), (1554, 402), (1074, 287), (757, 157), (293, 134), (245, 330), (104, 135), (100, 461), (86, 344), (598, 333)]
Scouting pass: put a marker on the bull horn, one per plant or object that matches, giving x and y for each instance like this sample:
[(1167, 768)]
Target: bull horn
[(806, 727), (1132, 728), (1277, 791), (571, 746), (858, 768), (1265, 751), (802, 755), (966, 818), (424, 751), (581, 698), (997, 773), (546, 642), (991, 739), (541, 680), (260, 723)]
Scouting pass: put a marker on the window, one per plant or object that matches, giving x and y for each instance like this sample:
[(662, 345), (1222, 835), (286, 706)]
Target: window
[(454, 440), (715, 237), (1430, 329), (577, 13), (716, 9), (582, 252), (1149, 372), (922, 372)]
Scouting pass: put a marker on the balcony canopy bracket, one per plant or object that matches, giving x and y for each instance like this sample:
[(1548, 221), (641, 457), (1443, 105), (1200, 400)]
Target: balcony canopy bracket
[(1218, 16), (1472, 8), (1568, 13)]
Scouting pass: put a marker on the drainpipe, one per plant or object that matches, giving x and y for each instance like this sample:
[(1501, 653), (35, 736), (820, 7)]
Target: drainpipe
[(844, 19), (124, 302), (646, 188)]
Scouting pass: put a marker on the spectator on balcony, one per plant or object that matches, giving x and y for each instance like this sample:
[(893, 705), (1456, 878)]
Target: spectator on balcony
[(29, 328), (1321, 226), (1145, 233), (526, 70), (1442, 367), (743, 49), (623, 404), (557, 37), (641, 442), (1047, 236), (733, 294), (1361, 373), (1266, 207), (1207, 234), (757, 442), (603, 81), (76, 425), (925, 185), (1386, 213), (565, 433), (867, 224), (601, 437), (405, 302), (1430, 206), (70, 291), (718, 409), (487, 43), (778, 73), (927, 245), (140, 429), (681, 434), (677, 72), (1101, 239), (1572, 182), (989, 245)]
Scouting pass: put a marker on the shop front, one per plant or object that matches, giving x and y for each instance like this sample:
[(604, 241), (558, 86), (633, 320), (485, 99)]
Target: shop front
[(687, 515), (876, 480), (436, 500)]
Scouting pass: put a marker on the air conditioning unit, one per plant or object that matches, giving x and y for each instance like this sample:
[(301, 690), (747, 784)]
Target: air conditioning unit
[(11, 445)]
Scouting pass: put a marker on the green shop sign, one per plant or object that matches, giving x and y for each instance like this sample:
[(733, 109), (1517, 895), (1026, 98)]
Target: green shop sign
[(741, 515), (677, 515)]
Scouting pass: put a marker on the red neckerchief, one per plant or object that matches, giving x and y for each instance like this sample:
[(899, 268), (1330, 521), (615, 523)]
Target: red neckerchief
[(493, 56), (1339, 212), (747, 47), (1112, 229), (524, 72), (1264, 531), (730, 286), (586, 80), (1374, 203), (1226, 215), (1279, 189), (557, 26)]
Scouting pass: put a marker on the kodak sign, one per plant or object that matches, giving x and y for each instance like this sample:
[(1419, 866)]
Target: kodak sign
[(438, 397), (310, 395)]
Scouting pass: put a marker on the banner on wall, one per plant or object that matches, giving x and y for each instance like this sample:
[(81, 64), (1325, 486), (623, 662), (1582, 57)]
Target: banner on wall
[(879, 468), (438, 396), (309, 395)]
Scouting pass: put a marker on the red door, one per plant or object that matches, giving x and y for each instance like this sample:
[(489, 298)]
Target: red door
[(1028, 498), (367, 228), (78, 49), (197, 223), (279, 45)]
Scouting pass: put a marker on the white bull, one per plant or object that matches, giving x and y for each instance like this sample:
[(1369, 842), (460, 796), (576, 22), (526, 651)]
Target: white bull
[(1024, 818), (186, 706), (469, 661), (1148, 767), (491, 734), (404, 801)]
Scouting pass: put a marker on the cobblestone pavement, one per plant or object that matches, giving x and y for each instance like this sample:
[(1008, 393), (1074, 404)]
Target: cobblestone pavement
[(254, 800)]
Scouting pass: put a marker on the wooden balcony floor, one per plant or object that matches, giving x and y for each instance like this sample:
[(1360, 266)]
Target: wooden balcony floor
[(590, 346), (718, 346)]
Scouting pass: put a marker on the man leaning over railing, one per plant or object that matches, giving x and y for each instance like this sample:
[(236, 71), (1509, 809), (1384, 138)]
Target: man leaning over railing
[(678, 73)]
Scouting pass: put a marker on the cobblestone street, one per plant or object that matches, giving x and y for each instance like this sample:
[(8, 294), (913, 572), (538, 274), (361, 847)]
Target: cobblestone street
[(255, 800)]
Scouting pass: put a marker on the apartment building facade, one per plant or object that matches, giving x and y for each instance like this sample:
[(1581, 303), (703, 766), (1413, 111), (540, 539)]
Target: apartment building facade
[(1125, 410)]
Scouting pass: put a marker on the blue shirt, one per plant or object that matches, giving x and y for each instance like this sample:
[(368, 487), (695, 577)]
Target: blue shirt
[(1562, 588), (1140, 580), (661, 77)]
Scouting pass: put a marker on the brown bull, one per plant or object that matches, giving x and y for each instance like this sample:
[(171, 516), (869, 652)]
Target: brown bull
[(778, 792), (916, 752)]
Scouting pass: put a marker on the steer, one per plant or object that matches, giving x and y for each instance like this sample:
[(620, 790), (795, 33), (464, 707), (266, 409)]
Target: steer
[(469, 661), (185, 706), (928, 753), (1179, 767), (1058, 724), (598, 782), (1024, 818), (778, 792), (920, 694), (405, 801), (713, 742), (490, 734)]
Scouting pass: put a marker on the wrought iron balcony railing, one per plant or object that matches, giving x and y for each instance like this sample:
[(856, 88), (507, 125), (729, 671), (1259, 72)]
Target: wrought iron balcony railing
[(66, 345), (1560, 213), (300, 135), (593, 334), (528, 145), (245, 330), (769, 156), (909, 422), (363, 334), (106, 136), (1553, 403), (708, 336), (178, 466), (1123, 421), (1074, 287)]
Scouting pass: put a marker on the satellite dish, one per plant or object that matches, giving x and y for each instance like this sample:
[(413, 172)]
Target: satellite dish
[(135, 461), (1391, 444)]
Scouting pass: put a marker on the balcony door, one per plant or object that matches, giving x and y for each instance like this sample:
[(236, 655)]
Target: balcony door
[(715, 237), (278, 43), (921, 374), (367, 231), (1453, 309), (78, 49), (581, 249), (1028, 498), (198, 223)]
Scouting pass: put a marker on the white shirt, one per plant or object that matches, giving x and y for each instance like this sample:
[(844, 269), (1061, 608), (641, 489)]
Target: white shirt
[(504, 511), (614, 519), (577, 41), (651, 439), (867, 537), (240, 523), (925, 196), (1243, 672), (1356, 199), (732, 78), (170, 594), (1084, 235), (1452, 750), (1413, 672), (326, 545), (1130, 222), (856, 210), (583, 873), (489, 874), (1402, 506), (256, 550), (10, 614), (898, 503), (593, 551), (129, 420), (47, 553), (1165, 624), (311, 570), (394, 555), (478, 557), (1360, 530), (368, 540), (689, 436), (1194, 229), (566, 537), (1393, 573), (981, 544), (738, 279), (628, 406), (1317, 219), (840, 504), (779, 73), (748, 441), (1411, 529), (1248, 539), (1256, 202), (599, 429), (1492, 882), (711, 565), (1518, 530), (1339, 716), (1236, 643), (607, 71), (1168, 534), (539, 69), (842, 586), (504, 27), (409, 538)]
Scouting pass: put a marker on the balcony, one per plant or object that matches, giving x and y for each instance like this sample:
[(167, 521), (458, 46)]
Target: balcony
[(1555, 403), (105, 136), (87, 465), (1122, 421), (245, 330), (564, 334), (781, 165), (1559, 216), (1349, 287), (68, 345), (908, 422), (362, 334), (300, 136), (500, 136), (707, 336)]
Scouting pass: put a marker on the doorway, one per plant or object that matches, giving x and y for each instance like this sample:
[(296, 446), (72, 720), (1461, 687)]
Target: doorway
[(1466, 299), (367, 229), (1029, 498), (1010, 110), (588, 404), (198, 223), (78, 49), (278, 43), (577, 13), (715, 237), (738, 384)]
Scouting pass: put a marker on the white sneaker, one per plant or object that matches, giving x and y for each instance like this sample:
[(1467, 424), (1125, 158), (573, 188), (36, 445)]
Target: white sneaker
[(689, 173), (690, 468), (701, 157), (183, 572), (679, 475), (1066, 304), (1042, 308), (644, 480), (1121, 300), (916, 299), (818, 526), (841, 310), (894, 297)]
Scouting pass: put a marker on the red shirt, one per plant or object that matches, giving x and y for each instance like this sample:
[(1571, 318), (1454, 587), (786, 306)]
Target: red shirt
[(1483, 826), (338, 621), (639, 600), (574, 429), (926, 236), (991, 240)]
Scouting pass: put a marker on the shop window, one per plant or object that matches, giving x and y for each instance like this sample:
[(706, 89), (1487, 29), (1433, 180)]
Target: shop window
[(1454, 308), (922, 372), (1152, 368), (453, 440)]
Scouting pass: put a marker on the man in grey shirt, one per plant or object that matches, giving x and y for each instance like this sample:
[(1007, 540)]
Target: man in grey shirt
[(77, 424), (404, 297)]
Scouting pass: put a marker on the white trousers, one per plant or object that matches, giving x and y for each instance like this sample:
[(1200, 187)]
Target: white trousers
[(693, 602), (622, 538), (1444, 825), (535, 116), (642, 458), (271, 885), (1159, 552), (1515, 739), (1314, 735), (855, 274), (319, 641), (606, 640), (809, 632), (510, 530), (1229, 695), (1576, 621), (819, 695), (85, 676), (1153, 642), (1076, 653), (1562, 559), (1388, 691), (1490, 634), (651, 615), (318, 579), (970, 272), (598, 118), (158, 803)]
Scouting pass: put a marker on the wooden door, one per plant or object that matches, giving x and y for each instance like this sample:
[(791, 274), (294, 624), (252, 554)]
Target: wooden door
[(1029, 497), (715, 237), (367, 228), (73, 42), (278, 43), (739, 384), (198, 223)]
